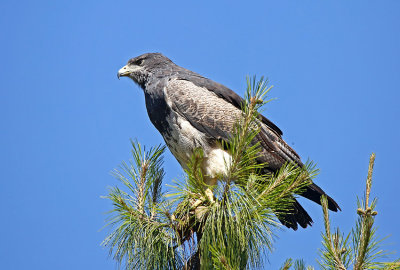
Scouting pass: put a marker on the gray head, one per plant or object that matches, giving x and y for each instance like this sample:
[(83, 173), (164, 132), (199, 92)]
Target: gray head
[(140, 68)]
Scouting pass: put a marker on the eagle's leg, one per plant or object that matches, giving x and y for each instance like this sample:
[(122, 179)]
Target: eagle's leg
[(208, 192), (214, 165), (210, 181), (200, 209)]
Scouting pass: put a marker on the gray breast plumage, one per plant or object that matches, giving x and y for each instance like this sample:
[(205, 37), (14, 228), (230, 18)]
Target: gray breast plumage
[(182, 138)]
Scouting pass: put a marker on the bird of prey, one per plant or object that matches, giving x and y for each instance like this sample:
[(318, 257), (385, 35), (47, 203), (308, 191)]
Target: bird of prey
[(191, 111)]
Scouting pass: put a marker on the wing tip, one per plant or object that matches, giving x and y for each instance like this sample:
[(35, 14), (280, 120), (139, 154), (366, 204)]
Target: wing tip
[(298, 216)]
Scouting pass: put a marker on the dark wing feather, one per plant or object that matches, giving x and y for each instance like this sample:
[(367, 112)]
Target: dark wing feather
[(206, 111), (297, 216), (224, 93)]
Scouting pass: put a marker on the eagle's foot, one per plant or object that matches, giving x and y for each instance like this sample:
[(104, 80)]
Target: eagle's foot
[(201, 200), (197, 206), (197, 203), (198, 209)]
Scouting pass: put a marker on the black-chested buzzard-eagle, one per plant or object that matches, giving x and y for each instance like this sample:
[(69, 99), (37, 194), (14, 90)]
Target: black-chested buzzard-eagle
[(191, 111)]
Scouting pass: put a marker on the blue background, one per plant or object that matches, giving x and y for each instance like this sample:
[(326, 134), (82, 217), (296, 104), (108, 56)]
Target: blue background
[(66, 120)]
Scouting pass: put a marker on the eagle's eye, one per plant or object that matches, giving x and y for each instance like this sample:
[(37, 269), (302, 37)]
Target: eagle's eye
[(139, 62)]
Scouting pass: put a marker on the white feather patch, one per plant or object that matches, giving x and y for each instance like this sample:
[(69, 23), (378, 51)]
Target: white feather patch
[(216, 163)]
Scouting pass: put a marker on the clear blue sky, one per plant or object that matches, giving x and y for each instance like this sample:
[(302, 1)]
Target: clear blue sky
[(66, 119)]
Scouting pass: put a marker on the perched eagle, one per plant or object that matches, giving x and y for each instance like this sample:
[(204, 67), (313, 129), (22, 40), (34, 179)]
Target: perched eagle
[(191, 111)]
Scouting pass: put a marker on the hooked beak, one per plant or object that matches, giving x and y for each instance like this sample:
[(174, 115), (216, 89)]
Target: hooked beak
[(124, 71)]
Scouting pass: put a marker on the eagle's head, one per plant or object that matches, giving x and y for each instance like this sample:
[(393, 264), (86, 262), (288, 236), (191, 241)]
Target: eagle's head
[(141, 68)]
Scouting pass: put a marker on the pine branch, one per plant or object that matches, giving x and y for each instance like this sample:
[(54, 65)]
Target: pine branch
[(287, 264), (141, 224), (364, 242), (298, 265), (365, 249), (336, 250), (241, 147)]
